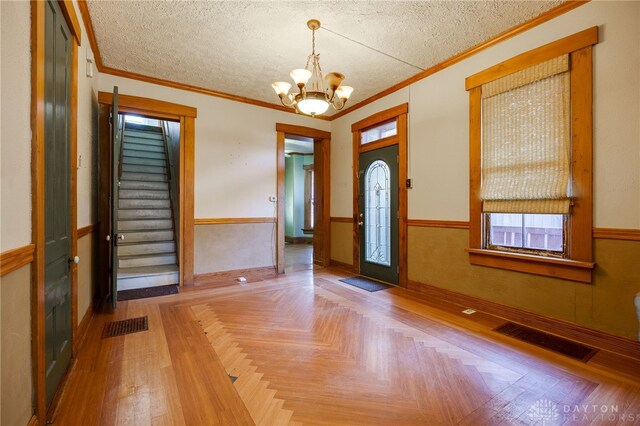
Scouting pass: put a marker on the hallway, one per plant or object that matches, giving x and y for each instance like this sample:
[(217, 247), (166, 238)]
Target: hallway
[(306, 348)]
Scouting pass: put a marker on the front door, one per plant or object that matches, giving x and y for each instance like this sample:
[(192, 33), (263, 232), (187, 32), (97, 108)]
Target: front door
[(57, 197), (378, 213)]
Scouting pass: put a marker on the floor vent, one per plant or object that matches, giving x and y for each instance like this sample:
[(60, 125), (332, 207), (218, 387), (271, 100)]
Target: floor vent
[(548, 341), (233, 378), (128, 326)]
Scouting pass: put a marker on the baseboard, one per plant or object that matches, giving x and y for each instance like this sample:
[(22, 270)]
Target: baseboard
[(342, 265), (298, 240), (83, 327), (230, 277), (33, 421), (568, 330)]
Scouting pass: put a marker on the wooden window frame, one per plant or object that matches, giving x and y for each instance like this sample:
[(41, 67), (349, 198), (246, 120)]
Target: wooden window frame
[(579, 265), (398, 113)]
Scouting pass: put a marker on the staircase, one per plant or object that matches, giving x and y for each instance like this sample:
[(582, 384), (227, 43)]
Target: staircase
[(147, 255)]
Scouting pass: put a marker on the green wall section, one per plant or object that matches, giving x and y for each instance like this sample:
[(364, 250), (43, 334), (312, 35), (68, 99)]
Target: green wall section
[(294, 194), (437, 257)]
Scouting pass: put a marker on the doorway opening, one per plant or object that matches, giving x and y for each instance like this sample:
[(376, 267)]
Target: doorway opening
[(299, 203), (146, 162), (148, 210), (317, 218)]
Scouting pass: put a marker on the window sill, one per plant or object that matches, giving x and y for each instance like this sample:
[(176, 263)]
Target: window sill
[(567, 269)]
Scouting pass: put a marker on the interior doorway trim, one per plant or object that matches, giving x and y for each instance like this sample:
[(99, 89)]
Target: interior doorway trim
[(186, 115), (398, 113), (37, 194), (321, 137)]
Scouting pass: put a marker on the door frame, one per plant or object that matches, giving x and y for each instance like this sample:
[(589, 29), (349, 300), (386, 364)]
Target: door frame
[(398, 113), (161, 110), (321, 137), (38, 202)]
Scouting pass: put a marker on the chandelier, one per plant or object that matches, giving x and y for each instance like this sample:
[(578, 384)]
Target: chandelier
[(312, 98)]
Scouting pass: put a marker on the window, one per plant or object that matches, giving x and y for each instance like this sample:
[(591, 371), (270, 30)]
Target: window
[(530, 160), (377, 203), (379, 132)]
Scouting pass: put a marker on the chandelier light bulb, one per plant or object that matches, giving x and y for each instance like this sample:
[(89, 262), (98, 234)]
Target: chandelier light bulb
[(281, 88), (313, 104), (301, 76), (343, 92)]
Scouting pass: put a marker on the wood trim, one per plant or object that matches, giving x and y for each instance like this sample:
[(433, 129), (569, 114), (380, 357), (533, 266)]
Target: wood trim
[(380, 143), (302, 131), (37, 208), (229, 220), (551, 50), (127, 103), (181, 198), (426, 223), (187, 167), (337, 264), (380, 117), (617, 234), (403, 244), (69, 12), (11, 260), (197, 89), (280, 190), (506, 35), (581, 219), (91, 35), (86, 230), (326, 200), (33, 421), (355, 146), (229, 277), (569, 330), (341, 219), (566, 269), (475, 169)]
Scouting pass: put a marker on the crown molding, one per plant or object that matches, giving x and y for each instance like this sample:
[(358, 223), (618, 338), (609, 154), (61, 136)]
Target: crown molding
[(540, 19)]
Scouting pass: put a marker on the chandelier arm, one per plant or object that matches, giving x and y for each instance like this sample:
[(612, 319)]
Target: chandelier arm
[(287, 101)]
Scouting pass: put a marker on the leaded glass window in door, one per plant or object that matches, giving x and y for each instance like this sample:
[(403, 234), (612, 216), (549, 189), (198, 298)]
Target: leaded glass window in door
[(377, 194)]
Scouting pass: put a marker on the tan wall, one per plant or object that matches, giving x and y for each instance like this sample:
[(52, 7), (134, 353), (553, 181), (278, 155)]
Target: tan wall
[(15, 352), (225, 247), (86, 274), (437, 257), (342, 242)]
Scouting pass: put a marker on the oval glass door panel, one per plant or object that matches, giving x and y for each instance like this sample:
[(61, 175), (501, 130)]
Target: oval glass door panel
[(377, 189)]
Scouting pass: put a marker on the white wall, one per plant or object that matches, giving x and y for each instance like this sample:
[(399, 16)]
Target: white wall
[(438, 122), (87, 133), (235, 148), (15, 124)]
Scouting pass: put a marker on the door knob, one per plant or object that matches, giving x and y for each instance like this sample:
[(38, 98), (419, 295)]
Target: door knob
[(108, 238), (74, 259), (121, 237), (360, 223)]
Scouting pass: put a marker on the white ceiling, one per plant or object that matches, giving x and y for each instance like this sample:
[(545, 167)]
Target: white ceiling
[(299, 146), (241, 47)]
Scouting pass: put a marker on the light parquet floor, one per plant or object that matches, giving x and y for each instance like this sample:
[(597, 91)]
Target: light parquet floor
[(307, 349)]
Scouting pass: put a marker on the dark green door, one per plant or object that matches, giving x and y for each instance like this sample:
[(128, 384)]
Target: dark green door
[(57, 197), (378, 210)]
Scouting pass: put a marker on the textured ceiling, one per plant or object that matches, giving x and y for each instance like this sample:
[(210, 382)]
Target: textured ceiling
[(241, 47)]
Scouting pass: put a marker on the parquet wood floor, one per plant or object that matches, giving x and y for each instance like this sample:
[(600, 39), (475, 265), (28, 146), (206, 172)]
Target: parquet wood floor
[(307, 349)]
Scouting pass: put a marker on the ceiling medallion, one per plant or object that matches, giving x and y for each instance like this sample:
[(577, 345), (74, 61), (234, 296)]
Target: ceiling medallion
[(313, 99)]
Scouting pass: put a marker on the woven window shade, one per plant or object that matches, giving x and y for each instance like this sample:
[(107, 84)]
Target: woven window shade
[(526, 140)]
